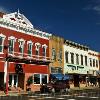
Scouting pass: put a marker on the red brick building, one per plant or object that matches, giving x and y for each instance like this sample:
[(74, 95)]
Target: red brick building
[(26, 51)]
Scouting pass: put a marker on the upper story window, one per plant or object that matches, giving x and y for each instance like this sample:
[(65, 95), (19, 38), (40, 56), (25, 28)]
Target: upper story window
[(44, 47), (81, 59), (2, 38), (60, 55), (30, 43), (72, 58), (53, 54), (77, 59), (96, 63), (21, 46), (37, 48), (66, 57), (11, 44), (90, 62), (86, 60), (93, 62)]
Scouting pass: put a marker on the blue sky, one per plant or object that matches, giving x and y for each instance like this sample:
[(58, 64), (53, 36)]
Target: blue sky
[(75, 20)]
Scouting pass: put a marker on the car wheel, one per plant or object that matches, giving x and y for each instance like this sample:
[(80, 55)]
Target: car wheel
[(53, 90)]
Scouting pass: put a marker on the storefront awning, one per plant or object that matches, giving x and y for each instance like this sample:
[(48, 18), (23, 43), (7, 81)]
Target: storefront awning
[(59, 76)]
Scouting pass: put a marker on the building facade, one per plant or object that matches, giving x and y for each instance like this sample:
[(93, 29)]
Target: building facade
[(77, 62), (24, 52), (56, 54)]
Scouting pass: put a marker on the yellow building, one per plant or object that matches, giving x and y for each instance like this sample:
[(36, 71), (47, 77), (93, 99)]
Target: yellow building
[(56, 54)]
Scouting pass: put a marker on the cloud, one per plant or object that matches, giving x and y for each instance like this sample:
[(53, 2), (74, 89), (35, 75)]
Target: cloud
[(94, 5), (2, 9)]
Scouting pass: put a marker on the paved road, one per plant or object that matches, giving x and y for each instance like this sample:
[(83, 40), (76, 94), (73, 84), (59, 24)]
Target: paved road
[(73, 95)]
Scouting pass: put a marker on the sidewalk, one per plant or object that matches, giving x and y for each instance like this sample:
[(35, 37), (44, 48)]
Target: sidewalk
[(14, 93)]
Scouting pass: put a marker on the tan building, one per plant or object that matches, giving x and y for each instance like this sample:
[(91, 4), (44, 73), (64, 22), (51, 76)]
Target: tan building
[(56, 54)]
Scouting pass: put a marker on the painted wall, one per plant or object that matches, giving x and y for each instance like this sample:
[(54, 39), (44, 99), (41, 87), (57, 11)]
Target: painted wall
[(82, 69)]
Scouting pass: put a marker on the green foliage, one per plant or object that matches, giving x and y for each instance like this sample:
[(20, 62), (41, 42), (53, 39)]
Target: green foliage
[(30, 80)]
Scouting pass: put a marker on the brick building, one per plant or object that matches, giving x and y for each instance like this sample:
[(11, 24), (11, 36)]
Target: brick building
[(24, 52)]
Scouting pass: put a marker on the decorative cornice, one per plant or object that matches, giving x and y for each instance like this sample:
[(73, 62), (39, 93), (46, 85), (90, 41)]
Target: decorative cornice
[(26, 30)]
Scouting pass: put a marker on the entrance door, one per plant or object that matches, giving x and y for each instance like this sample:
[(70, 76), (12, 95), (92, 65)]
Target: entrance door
[(76, 80), (13, 80)]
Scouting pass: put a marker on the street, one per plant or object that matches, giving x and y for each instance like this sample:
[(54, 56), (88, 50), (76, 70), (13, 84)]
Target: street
[(87, 94)]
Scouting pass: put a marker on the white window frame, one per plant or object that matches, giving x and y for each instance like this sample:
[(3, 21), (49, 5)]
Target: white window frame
[(45, 47), (12, 82), (29, 42), (37, 48), (40, 78), (21, 45), (14, 40), (3, 38)]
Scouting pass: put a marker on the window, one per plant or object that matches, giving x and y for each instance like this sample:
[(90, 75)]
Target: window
[(66, 57), (86, 60), (72, 58), (37, 48), (44, 79), (13, 80), (90, 62), (93, 62), (11, 46), (60, 55), (53, 54), (77, 59), (30, 48), (81, 59), (40, 78), (2, 37), (44, 47), (96, 63), (21, 46), (36, 78)]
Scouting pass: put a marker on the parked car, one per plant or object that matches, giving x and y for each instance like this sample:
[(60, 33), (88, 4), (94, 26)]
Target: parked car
[(56, 86)]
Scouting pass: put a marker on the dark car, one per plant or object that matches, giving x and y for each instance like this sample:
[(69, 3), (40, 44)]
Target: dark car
[(56, 86)]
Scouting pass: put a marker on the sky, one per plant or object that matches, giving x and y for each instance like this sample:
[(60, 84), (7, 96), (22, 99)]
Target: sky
[(75, 20)]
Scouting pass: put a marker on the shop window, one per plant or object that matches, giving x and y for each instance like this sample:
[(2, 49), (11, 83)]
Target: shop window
[(36, 78), (44, 79), (40, 78)]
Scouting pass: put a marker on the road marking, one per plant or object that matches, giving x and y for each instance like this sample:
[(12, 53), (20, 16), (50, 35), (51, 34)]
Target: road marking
[(94, 97), (60, 98), (48, 97), (66, 95), (81, 96)]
